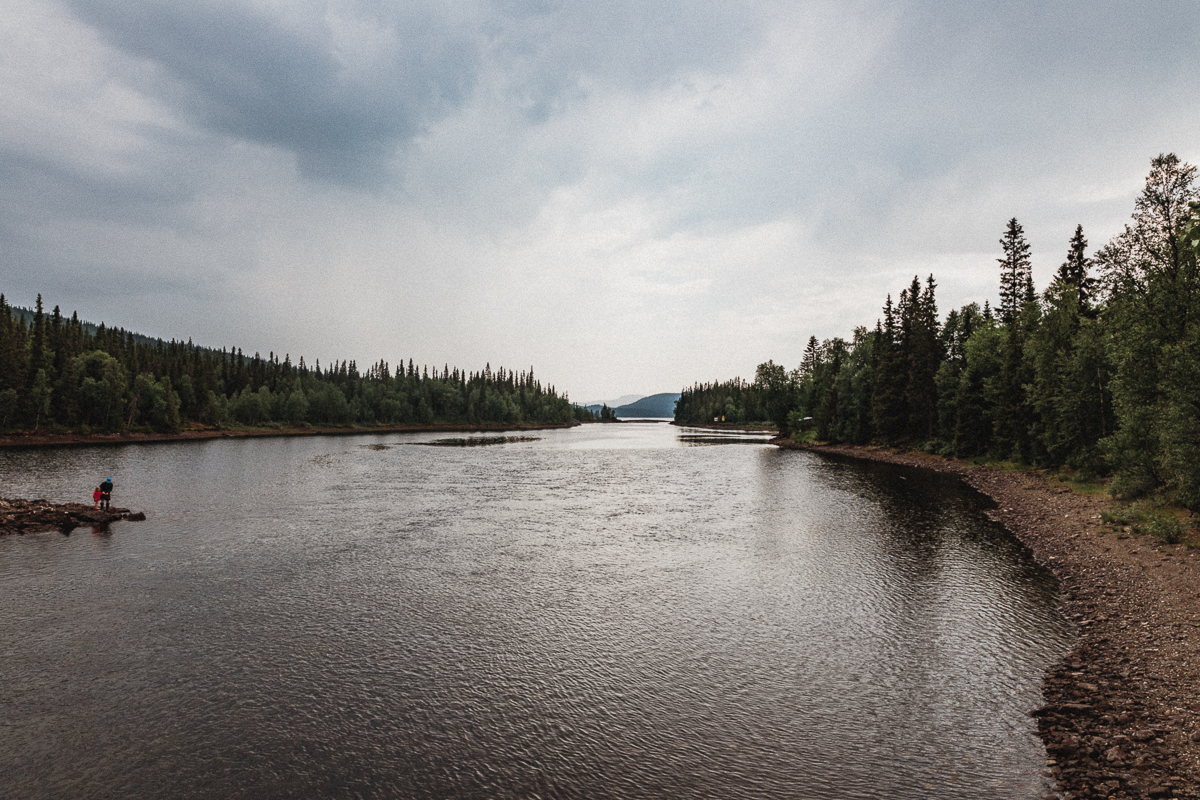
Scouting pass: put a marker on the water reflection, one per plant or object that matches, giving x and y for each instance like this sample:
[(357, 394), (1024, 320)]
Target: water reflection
[(701, 439), (605, 612)]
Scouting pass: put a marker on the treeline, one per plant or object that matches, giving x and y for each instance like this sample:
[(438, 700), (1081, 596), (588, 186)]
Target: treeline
[(1099, 373), (64, 373)]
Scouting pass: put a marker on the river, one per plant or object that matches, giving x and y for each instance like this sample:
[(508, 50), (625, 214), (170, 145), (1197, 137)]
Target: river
[(627, 611)]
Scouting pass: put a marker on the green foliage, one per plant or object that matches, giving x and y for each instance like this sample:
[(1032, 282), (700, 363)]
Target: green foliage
[(737, 401), (39, 398), (9, 404), (155, 404), (60, 370), (974, 403), (1152, 316), (889, 411), (1148, 517), (778, 388), (1166, 527), (1101, 377), (1016, 273)]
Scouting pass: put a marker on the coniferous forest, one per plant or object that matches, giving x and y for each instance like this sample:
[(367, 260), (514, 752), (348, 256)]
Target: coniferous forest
[(1098, 373), (61, 373)]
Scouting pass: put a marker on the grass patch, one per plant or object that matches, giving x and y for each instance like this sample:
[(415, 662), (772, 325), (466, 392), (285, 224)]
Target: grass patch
[(1154, 517), (1092, 488), (1081, 483), (1002, 464)]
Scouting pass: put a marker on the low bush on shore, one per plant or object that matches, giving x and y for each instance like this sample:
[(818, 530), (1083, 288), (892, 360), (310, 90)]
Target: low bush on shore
[(1154, 518)]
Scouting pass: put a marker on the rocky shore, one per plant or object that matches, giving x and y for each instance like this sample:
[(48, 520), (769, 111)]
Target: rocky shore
[(1122, 713), (29, 516)]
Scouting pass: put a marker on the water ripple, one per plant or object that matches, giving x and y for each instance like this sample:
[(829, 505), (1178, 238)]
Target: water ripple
[(605, 612)]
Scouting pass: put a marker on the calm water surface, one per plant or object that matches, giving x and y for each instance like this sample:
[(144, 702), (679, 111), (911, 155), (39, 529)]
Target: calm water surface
[(625, 611)]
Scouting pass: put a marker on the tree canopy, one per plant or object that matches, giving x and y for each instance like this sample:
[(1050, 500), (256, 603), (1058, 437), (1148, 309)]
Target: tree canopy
[(1099, 373), (63, 372)]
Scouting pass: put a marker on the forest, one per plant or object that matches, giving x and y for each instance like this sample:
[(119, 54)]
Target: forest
[(59, 373), (1099, 373)]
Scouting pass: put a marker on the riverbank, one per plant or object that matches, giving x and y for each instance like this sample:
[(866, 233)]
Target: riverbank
[(1122, 716), (75, 439), (30, 516)]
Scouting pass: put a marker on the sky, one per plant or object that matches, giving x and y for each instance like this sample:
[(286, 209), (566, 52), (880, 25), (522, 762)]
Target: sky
[(628, 197)]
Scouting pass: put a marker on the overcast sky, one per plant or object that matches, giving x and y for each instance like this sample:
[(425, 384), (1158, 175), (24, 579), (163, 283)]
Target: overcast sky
[(629, 196)]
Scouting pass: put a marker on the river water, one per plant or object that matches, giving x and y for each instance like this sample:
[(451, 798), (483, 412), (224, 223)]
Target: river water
[(631, 611)]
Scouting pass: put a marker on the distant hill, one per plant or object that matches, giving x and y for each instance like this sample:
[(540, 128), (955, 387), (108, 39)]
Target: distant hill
[(623, 400), (656, 405), (26, 315)]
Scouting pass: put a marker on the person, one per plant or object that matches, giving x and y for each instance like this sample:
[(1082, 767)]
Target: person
[(106, 493), (96, 495)]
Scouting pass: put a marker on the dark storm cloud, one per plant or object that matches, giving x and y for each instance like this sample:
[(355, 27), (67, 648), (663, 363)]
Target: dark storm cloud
[(342, 87), (552, 50), (340, 101)]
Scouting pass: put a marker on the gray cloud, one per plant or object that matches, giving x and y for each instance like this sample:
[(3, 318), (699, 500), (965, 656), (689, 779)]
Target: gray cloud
[(338, 91), (564, 183)]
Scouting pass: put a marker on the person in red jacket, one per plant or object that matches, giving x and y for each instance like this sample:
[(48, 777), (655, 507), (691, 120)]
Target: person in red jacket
[(96, 495)]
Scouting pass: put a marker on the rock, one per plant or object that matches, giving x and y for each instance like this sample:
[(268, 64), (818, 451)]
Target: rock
[(26, 516)]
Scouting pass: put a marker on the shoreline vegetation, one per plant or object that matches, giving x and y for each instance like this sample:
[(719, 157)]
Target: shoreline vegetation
[(1121, 718), (1098, 374), (27, 439), (60, 375)]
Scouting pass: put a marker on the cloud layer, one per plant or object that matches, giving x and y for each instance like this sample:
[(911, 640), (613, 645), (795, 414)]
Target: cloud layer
[(629, 196)]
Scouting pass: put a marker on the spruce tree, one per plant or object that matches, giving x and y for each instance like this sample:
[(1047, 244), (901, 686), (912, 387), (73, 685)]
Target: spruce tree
[(924, 353), (1074, 271), (1152, 281), (1016, 273), (889, 413), (37, 342), (811, 357)]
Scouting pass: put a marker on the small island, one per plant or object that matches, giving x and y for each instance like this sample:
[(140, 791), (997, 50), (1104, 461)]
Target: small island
[(31, 516)]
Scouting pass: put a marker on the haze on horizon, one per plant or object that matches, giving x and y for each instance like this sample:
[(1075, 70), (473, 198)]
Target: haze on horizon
[(628, 196)]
